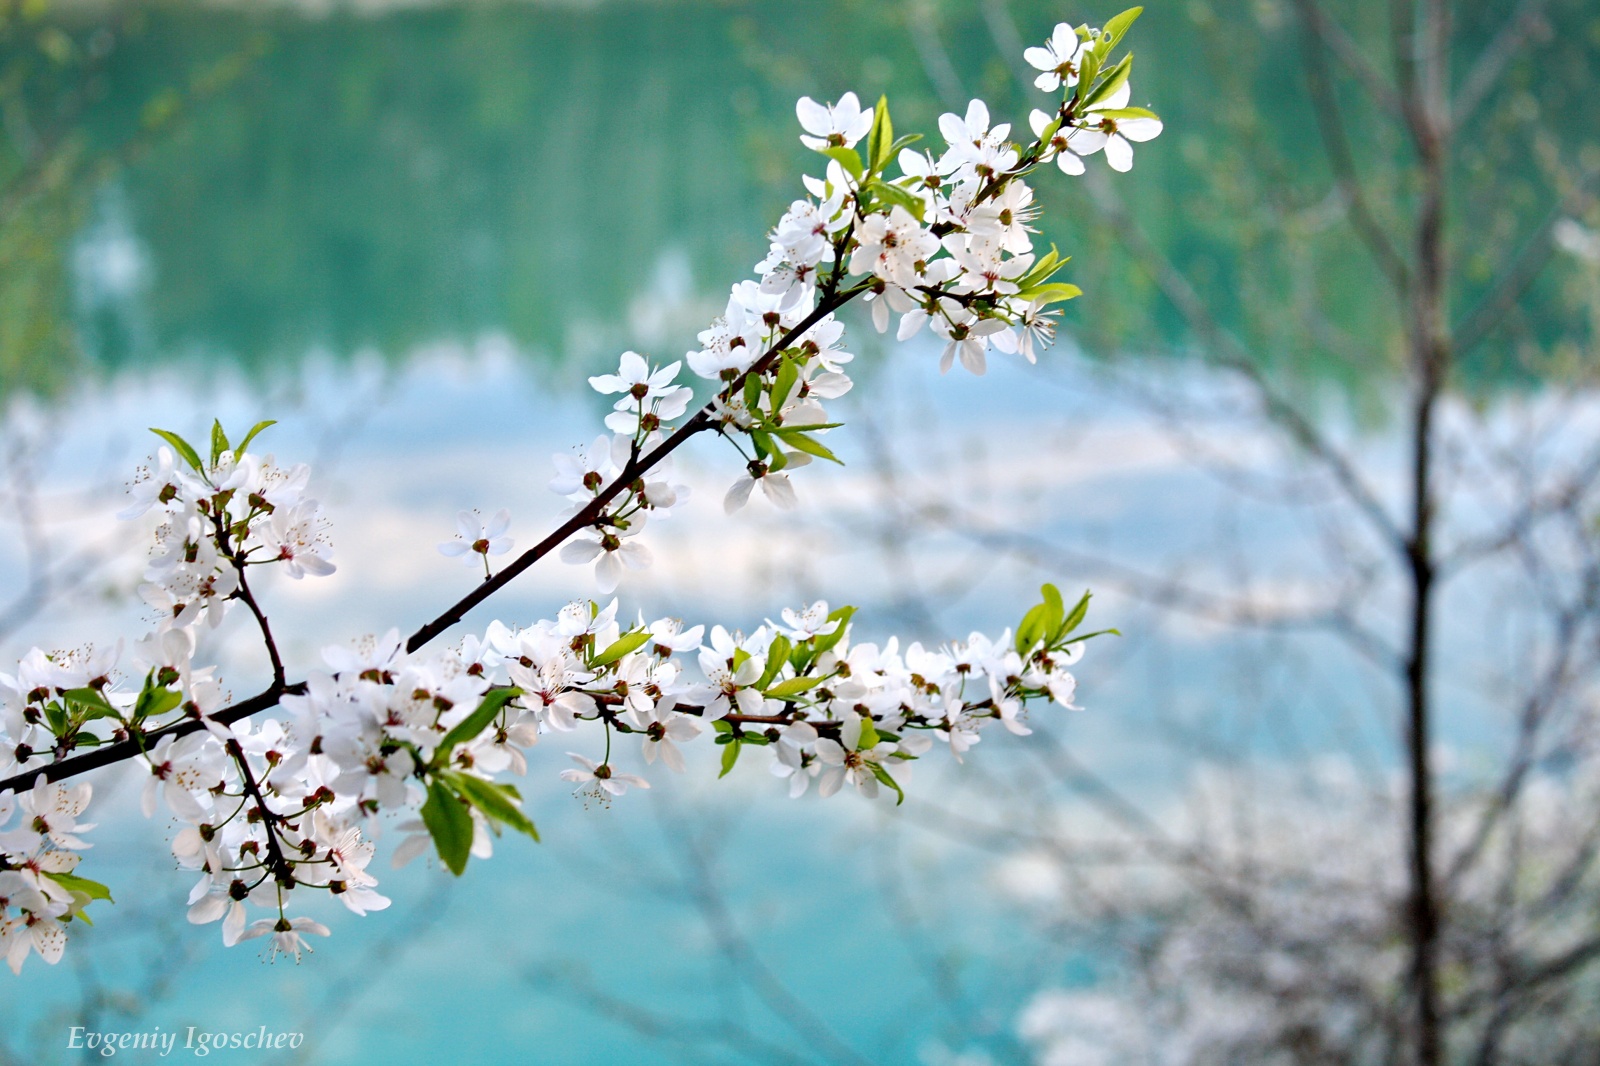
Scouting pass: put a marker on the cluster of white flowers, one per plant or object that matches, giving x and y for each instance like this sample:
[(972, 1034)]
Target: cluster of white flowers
[(649, 402), (1103, 119), (946, 242), (286, 805), (239, 510), (38, 892), (398, 729), (222, 518)]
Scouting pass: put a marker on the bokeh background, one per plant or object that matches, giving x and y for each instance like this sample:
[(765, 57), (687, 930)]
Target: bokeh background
[(409, 231)]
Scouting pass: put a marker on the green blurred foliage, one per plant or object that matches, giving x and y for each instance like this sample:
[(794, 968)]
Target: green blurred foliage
[(300, 184)]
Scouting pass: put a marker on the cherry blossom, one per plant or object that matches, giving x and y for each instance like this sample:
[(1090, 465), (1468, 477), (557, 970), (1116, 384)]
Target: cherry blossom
[(649, 397), (287, 934), (1114, 132), (611, 549), (838, 125), (582, 475), (476, 539), (602, 776), (1058, 58)]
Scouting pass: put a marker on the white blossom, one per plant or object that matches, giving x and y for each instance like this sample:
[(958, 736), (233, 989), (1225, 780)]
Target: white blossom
[(838, 125)]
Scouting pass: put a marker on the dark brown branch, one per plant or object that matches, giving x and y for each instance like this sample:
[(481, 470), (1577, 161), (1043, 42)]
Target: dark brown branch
[(122, 750), (702, 420), (266, 632), (282, 872), (1431, 352), (248, 598)]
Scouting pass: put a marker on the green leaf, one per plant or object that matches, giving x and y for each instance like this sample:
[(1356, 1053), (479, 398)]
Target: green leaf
[(494, 701), (793, 687), (847, 157), (499, 803), (1088, 71), (74, 883), (798, 440), (869, 734), (1128, 112), (248, 437), (752, 391), (801, 655), (219, 440), (1031, 629), (883, 775), (894, 195), (788, 376), (91, 704), (905, 140), (881, 140), (1074, 619), (1055, 292), (449, 824), (182, 447), (763, 442), (1042, 622), (1113, 81), (1048, 264), (826, 642), (621, 646), (1118, 26), (154, 700), (809, 427), (730, 755), (777, 655), (1048, 134), (1055, 610)]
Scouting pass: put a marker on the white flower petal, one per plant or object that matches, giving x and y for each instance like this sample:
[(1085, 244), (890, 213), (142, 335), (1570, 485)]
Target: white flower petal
[(1119, 153), (738, 494), (580, 551), (607, 573)]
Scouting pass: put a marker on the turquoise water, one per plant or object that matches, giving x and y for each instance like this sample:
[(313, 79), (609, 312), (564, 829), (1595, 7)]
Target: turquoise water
[(848, 906), (903, 930)]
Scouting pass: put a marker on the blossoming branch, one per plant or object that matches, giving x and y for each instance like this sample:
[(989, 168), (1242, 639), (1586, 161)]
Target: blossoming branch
[(277, 809)]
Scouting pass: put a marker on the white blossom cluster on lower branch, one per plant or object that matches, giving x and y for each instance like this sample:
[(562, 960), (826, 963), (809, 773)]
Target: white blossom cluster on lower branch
[(274, 809), (421, 738)]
